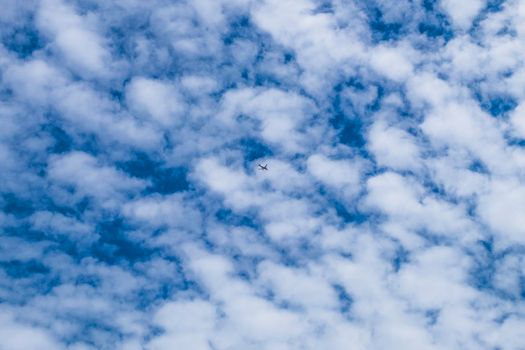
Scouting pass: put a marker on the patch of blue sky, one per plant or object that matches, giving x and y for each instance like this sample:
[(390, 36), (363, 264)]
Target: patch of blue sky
[(24, 269), (345, 300), (498, 106), (435, 24), (324, 6), (114, 245), (401, 258), (382, 30), (241, 27), (485, 258), (390, 23), (230, 217), (477, 166), (62, 141), (163, 179), (350, 215), (23, 41), (16, 206), (432, 316), (345, 118), (253, 149), (491, 7)]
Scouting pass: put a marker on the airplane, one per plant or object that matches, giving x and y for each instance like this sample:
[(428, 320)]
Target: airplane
[(261, 167)]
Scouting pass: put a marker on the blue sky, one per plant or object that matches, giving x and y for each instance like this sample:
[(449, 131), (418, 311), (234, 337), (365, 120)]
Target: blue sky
[(134, 215)]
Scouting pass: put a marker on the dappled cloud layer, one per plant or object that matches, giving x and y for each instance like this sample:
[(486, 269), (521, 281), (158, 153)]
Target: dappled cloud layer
[(134, 216)]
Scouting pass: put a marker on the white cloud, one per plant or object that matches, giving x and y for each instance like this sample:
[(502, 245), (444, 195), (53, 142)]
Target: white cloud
[(441, 271), (160, 101), (75, 38), (517, 120), (297, 287), (159, 211), (462, 13), (392, 62), (501, 207), (453, 173), (320, 45), (210, 12), (19, 336), (41, 85), (56, 224), (187, 323), (407, 203), (278, 114), (199, 84), (88, 178), (393, 147), (341, 174), (86, 109), (509, 270), (283, 217), (34, 80)]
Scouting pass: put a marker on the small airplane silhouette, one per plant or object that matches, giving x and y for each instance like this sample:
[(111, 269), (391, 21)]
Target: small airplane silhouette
[(263, 167)]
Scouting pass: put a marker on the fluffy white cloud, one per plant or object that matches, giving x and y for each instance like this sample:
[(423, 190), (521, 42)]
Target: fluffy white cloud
[(314, 36), (82, 172), (501, 207), (392, 62), (517, 120), (406, 203), (158, 100), (340, 174), (280, 116), (462, 13), (394, 147), (158, 211), (75, 37), (18, 336), (187, 324)]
